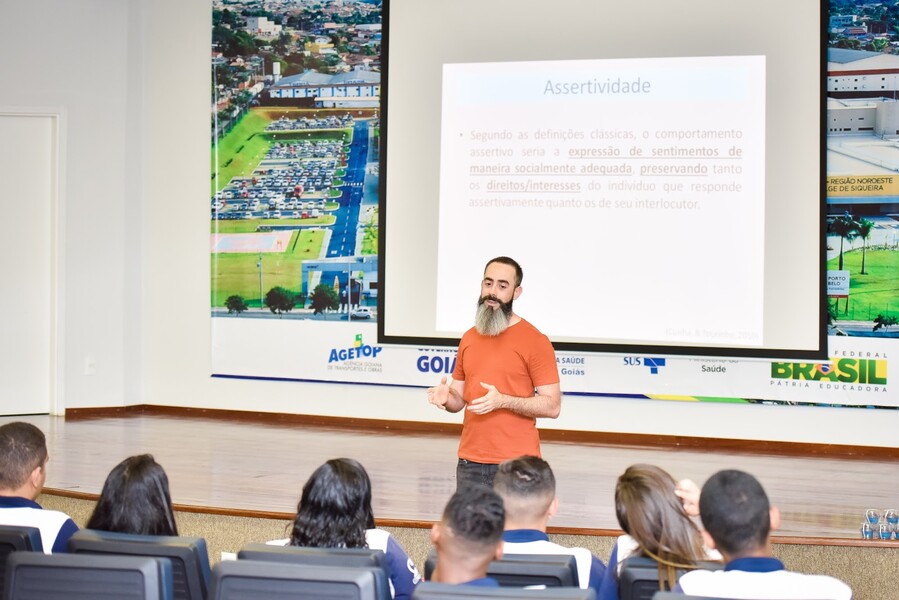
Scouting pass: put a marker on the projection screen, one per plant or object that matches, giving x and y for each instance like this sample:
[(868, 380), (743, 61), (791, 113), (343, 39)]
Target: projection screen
[(657, 169)]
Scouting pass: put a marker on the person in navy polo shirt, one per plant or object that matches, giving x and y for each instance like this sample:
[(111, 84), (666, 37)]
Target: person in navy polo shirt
[(469, 537), (738, 521), (23, 464), (528, 489)]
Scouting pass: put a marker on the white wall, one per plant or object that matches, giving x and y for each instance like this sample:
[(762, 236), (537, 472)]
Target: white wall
[(72, 58), (133, 78)]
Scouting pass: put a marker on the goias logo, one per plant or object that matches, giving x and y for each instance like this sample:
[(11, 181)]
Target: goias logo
[(863, 374)]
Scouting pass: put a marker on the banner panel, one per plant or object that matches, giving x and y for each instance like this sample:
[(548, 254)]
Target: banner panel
[(295, 226)]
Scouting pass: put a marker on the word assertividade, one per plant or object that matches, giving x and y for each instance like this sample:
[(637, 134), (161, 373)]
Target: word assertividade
[(596, 87)]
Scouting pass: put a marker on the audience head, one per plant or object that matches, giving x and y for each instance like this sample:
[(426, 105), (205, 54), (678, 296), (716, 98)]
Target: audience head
[(135, 499), (335, 507), (23, 459), (650, 512), (527, 487), (736, 514), (469, 536)]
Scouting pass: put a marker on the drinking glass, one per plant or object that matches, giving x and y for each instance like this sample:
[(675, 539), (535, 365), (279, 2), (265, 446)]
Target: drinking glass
[(867, 531)]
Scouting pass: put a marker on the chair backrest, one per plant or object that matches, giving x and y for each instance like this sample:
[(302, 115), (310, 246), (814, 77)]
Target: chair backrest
[(428, 590), (189, 555), (269, 580), (678, 596), (17, 538), (521, 570), (326, 557), (639, 577), (38, 576)]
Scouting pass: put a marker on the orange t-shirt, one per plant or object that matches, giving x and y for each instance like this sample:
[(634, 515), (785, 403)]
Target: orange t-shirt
[(516, 361)]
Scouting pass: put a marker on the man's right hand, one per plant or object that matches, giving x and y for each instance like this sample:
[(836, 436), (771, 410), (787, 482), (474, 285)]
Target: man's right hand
[(439, 394)]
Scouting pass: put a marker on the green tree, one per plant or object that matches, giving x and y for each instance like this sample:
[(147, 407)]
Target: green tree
[(850, 43), (235, 304), (863, 228), (280, 300), (845, 227), (324, 298), (878, 44), (223, 76), (245, 44), (283, 43), (884, 321)]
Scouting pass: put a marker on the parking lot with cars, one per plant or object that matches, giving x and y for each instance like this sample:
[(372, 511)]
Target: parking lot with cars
[(294, 180)]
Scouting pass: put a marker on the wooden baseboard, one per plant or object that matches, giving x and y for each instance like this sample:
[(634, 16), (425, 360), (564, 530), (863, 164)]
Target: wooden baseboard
[(553, 435)]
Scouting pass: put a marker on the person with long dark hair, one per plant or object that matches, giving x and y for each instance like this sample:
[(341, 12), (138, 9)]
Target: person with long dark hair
[(650, 506), (135, 499), (335, 512)]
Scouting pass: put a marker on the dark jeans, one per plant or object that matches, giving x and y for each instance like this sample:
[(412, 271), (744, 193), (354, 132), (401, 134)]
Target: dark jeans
[(468, 472)]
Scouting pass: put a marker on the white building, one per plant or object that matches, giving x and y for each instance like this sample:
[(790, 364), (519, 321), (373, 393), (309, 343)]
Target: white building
[(861, 74), (262, 26), (357, 88)]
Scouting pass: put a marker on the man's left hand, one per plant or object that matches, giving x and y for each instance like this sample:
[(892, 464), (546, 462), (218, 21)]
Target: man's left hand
[(489, 402)]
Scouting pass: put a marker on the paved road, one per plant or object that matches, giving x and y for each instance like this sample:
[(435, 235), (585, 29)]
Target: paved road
[(343, 232)]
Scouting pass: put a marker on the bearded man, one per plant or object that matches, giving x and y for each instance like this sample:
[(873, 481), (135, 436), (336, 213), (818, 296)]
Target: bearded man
[(505, 378)]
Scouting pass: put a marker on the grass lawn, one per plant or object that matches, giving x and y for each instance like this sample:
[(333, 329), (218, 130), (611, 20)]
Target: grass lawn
[(876, 292), (241, 149), (250, 225), (236, 273)]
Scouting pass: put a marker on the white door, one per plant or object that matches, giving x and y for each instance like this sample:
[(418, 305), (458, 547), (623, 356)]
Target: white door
[(28, 184)]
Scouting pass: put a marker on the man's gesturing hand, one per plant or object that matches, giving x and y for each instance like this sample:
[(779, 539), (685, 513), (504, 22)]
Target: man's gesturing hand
[(489, 402), (439, 394)]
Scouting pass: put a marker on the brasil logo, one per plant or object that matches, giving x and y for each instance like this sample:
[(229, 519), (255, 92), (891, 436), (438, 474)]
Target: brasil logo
[(844, 370)]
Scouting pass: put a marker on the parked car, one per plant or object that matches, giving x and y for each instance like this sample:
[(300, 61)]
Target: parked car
[(361, 312)]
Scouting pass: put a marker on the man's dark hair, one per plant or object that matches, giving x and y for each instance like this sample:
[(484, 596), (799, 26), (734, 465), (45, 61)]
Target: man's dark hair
[(527, 486), (135, 499), (735, 511), (23, 448), (519, 274), (335, 508), (476, 516)]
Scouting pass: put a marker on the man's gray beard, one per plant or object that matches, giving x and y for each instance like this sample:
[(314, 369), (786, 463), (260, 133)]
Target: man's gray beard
[(489, 321)]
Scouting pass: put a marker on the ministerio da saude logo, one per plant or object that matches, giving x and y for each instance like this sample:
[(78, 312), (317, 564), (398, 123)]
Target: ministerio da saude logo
[(851, 374)]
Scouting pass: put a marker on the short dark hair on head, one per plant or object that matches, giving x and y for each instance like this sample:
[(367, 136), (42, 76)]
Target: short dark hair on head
[(476, 515), (519, 274), (23, 448), (135, 499), (735, 511), (335, 507), (527, 485)]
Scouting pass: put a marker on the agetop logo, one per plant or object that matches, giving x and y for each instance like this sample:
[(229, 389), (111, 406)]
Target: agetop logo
[(653, 363), (348, 359), (851, 374)]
